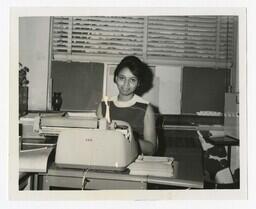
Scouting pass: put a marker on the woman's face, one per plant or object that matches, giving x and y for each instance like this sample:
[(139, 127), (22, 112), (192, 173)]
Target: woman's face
[(126, 82)]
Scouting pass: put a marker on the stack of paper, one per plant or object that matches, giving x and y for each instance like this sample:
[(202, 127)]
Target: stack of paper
[(216, 134), (209, 113), (152, 166)]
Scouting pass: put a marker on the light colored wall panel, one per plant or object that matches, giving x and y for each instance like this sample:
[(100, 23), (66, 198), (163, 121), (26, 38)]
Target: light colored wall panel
[(34, 53), (169, 88)]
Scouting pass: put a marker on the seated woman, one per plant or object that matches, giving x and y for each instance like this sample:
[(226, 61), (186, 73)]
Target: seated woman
[(131, 108)]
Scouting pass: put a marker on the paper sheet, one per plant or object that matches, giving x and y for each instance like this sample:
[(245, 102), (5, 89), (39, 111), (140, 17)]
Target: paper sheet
[(82, 114), (217, 133), (34, 160)]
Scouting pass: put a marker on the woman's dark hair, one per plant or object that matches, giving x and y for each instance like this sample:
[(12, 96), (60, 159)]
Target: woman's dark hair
[(139, 69), (131, 62)]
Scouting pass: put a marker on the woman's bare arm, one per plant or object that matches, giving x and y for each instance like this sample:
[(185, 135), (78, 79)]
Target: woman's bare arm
[(149, 143)]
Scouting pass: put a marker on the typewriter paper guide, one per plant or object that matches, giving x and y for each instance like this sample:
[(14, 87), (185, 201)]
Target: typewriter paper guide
[(95, 149)]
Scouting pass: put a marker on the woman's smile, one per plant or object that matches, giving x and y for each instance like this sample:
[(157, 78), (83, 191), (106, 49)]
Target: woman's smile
[(126, 83)]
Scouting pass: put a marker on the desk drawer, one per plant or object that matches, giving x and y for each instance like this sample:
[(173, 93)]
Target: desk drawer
[(61, 182)]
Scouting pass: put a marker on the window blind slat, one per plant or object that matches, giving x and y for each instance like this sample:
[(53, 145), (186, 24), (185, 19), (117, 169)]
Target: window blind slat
[(106, 51), (107, 24), (182, 24), (106, 46), (106, 28), (200, 19), (102, 42), (187, 50), (173, 30), (109, 19), (183, 41)]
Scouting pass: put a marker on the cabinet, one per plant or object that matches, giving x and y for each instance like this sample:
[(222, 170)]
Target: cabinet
[(231, 125), (231, 115)]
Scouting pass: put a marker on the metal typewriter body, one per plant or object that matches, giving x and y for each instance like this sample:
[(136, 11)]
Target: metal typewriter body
[(87, 142)]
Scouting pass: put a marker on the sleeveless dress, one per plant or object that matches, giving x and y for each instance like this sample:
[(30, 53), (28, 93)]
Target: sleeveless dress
[(132, 112)]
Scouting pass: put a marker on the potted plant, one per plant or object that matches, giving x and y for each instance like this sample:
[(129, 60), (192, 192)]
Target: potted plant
[(23, 90)]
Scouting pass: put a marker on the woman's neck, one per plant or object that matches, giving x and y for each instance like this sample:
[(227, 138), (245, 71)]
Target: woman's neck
[(124, 98)]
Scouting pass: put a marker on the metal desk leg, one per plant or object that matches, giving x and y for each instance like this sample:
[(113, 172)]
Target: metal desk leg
[(34, 181), (31, 181), (229, 155)]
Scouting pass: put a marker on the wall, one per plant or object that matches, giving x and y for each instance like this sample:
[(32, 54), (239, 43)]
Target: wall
[(34, 53)]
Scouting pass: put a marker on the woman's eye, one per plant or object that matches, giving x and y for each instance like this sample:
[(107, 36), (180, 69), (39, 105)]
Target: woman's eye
[(133, 80), (121, 78)]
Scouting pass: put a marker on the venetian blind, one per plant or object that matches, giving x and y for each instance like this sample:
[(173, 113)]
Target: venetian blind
[(184, 38), (191, 37), (98, 36)]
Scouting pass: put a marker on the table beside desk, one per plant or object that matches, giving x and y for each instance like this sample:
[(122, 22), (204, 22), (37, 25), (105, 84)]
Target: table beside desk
[(224, 141), (186, 175)]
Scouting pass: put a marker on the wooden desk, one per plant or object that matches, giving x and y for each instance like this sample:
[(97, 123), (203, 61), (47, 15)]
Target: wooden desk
[(187, 174)]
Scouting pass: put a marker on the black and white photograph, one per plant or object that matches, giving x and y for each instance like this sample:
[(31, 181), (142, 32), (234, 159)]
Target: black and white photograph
[(120, 102)]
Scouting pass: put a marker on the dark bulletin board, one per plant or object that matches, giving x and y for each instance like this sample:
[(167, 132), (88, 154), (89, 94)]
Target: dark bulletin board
[(81, 84), (203, 89)]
